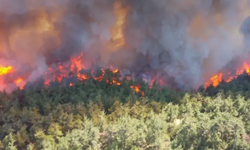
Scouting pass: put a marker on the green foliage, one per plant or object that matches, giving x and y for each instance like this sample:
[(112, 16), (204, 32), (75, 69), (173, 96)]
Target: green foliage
[(95, 115), (197, 122), (239, 86), (9, 142)]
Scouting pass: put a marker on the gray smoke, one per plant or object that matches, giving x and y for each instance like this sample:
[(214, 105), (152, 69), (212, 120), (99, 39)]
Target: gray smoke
[(188, 41), (184, 42)]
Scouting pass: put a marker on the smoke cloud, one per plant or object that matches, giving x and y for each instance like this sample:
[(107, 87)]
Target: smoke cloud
[(184, 42)]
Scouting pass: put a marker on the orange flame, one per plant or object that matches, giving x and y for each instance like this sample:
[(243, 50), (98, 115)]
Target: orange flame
[(120, 13), (19, 82), (135, 88), (217, 79), (5, 70)]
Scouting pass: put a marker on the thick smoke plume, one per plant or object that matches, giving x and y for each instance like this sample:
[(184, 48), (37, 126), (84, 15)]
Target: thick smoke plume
[(184, 42)]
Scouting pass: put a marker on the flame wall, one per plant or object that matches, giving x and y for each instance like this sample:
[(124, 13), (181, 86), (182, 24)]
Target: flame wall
[(184, 42)]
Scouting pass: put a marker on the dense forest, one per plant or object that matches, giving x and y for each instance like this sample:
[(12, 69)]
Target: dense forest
[(93, 115)]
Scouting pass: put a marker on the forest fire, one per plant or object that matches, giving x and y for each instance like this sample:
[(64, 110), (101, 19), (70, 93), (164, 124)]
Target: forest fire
[(76, 66), (5, 70), (216, 79), (172, 44)]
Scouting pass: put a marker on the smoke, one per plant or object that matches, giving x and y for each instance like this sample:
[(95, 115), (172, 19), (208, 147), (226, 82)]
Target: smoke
[(182, 42), (188, 41)]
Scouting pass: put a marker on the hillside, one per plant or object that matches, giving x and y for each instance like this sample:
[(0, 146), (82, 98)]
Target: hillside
[(98, 115)]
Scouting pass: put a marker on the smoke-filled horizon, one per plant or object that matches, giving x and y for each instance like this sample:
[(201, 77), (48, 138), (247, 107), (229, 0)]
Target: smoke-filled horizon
[(183, 41)]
